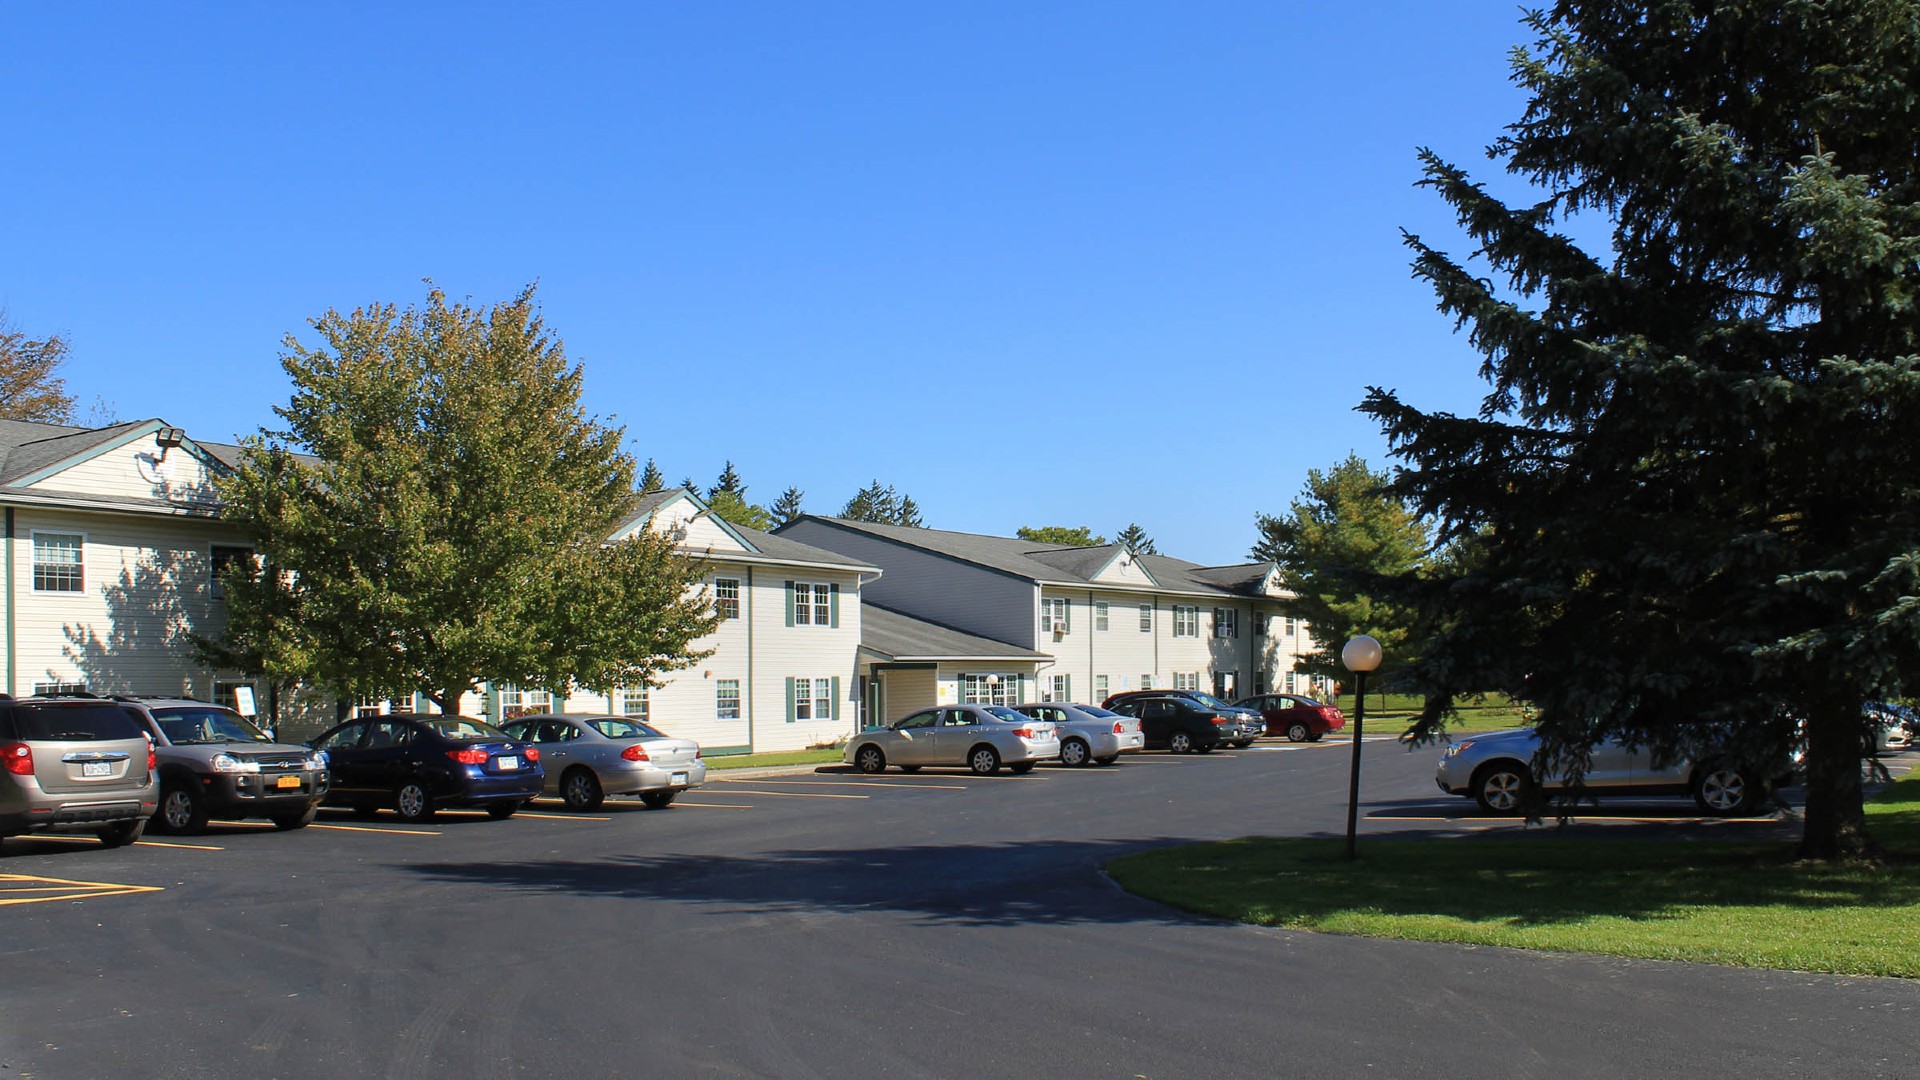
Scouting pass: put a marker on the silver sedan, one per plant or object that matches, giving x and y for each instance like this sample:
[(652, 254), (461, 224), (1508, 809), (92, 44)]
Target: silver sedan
[(979, 737), (590, 757), (1090, 733)]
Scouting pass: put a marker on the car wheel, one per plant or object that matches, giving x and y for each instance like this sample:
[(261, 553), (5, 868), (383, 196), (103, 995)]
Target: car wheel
[(1180, 742), (182, 811), (581, 789), (1298, 732), (289, 822), (983, 760), (1502, 787), (870, 759), (413, 802), (1022, 769), (1726, 791), (121, 833), (658, 800), (501, 811), (1106, 760), (1074, 752)]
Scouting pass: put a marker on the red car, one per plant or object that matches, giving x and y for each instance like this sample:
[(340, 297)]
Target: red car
[(1300, 719)]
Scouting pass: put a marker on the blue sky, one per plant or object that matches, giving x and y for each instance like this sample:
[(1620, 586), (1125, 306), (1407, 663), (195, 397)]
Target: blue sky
[(1030, 263)]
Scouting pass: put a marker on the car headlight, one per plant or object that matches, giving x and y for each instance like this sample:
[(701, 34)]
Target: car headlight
[(317, 760), (227, 763), (1457, 747)]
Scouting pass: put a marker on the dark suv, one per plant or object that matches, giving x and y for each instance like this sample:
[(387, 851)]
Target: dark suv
[(1235, 726), (1176, 722), (75, 764), (215, 764)]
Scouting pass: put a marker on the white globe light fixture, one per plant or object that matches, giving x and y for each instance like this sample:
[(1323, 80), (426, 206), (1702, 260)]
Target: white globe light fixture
[(1361, 654)]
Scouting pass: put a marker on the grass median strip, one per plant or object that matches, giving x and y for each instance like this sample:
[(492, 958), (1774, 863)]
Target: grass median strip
[(1705, 901), (785, 757)]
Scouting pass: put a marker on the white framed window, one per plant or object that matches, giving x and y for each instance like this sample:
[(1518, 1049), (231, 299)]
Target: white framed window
[(990, 689), (632, 701), (1059, 688), (371, 705), (1186, 621), (1226, 622), (1053, 615), (1259, 683), (1146, 682), (812, 603), (1186, 680), (517, 702), (1101, 622), (726, 597), (1146, 618), (726, 699), (59, 562), (1226, 684), (223, 558), (1291, 684), (1290, 626), (41, 689), (810, 699), (1099, 689)]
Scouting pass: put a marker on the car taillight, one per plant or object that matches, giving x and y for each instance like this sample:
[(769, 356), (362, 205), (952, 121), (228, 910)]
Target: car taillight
[(468, 757), (1222, 720), (1116, 727), (533, 753), (19, 758), (636, 752), (153, 759), (696, 753), (1023, 733)]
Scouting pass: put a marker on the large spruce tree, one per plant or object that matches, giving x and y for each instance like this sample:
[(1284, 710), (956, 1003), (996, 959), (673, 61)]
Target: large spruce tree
[(1691, 500)]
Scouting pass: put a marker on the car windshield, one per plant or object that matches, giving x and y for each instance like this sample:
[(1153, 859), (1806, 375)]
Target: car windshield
[(1010, 715), (459, 727), (614, 727), (1208, 700), (195, 727), (1095, 710)]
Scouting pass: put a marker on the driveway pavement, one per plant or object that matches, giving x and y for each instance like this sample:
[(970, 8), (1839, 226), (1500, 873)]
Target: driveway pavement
[(830, 924)]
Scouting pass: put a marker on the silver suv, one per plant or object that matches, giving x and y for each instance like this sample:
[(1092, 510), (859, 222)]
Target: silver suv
[(74, 765), (213, 763)]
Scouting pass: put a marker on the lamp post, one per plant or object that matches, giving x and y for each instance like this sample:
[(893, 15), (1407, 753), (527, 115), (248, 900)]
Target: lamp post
[(1360, 655)]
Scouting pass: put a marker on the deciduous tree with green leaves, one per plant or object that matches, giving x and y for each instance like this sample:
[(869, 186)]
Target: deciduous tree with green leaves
[(1337, 545), (30, 384), (1076, 535), (436, 513), (1693, 489)]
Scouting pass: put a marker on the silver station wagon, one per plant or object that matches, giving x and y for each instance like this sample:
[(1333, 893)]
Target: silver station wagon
[(590, 757), (1089, 733), (979, 737)]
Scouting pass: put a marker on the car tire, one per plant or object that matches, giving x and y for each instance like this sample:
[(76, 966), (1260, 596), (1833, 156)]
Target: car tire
[(909, 768), (1725, 790), (658, 800), (290, 822), (1207, 748), (413, 802), (581, 789), (1106, 760), (501, 811), (983, 760), (870, 759), (183, 812), (121, 833), (1316, 736), (1502, 787), (1299, 732), (1075, 752), (1021, 769), (1179, 743)]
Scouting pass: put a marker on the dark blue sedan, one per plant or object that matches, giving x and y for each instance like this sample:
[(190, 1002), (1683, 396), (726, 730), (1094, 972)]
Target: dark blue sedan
[(416, 763)]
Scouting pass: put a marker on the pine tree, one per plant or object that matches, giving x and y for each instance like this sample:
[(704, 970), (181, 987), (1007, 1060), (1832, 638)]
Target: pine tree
[(1135, 539), (1689, 508), (651, 479), (689, 485), (787, 506), (729, 482)]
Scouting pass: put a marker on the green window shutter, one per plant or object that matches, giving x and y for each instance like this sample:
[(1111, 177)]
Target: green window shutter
[(1066, 615), (791, 712), (833, 712), (1066, 688), (833, 605), (789, 607)]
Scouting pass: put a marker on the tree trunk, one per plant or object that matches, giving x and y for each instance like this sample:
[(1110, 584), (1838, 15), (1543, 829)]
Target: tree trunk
[(1836, 820), (449, 700)]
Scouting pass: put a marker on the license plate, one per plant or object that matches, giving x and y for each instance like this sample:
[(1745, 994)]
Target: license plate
[(679, 778), (96, 768), (506, 762), (287, 782)]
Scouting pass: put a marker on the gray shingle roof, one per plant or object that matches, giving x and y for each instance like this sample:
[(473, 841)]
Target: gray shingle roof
[(29, 447), (903, 637), (1056, 562), (771, 548)]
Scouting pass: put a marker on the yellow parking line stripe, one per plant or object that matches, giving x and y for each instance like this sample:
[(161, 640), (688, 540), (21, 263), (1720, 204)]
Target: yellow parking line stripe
[(903, 783), (376, 829), (53, 890), (171, 844), (796, 794), (70, 881), (712, 805), (560, 817)]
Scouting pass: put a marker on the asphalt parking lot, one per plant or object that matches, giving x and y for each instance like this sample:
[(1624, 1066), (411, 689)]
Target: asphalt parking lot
[(832, 924)]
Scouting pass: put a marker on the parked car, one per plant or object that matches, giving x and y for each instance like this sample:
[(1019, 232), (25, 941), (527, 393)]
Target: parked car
[(1300, 719), (1894, 725), (75, 764), (1497, 771), (1089, 732), (419, 762), (590, 757), (1178, 723), (980, 737), (1236, 726), (215, 764)]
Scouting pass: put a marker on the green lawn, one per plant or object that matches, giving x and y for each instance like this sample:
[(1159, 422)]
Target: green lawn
[(788, 757), (1391, 713), (1747, 904)]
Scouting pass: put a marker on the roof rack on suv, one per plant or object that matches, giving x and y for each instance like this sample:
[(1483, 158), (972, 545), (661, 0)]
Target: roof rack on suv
[(69, 694)]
